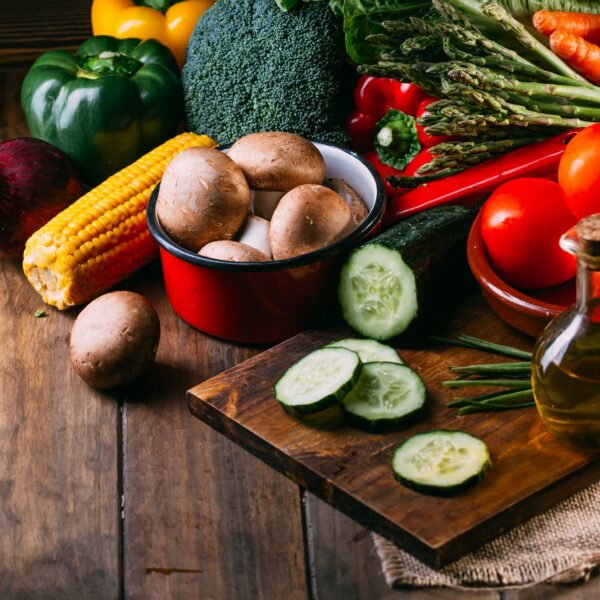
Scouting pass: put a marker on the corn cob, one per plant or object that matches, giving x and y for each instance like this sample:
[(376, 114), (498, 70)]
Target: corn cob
[(102, 238)]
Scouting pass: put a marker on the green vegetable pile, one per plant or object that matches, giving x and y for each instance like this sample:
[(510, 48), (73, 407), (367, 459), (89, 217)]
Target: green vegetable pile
[(251, 67), (500, 87)]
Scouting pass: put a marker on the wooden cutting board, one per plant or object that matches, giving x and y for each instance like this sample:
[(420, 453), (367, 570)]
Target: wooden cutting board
[(349, 468)]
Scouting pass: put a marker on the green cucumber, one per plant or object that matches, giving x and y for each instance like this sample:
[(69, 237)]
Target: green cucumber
[(318, 381), (386, 283), (386, 395), (441, 462), (368, 350)]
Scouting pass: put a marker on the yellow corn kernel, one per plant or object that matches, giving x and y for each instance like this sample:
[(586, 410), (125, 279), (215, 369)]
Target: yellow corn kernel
[(102, 238)]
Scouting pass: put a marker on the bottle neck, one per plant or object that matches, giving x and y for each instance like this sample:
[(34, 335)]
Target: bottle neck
[(588, 290)]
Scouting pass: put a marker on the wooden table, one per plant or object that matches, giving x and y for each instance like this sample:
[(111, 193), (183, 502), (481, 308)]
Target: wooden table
[(128, 496)]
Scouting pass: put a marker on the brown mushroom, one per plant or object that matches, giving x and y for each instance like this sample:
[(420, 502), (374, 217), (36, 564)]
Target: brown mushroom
[(203, 197), (275, 162), (308, 218), (114, 339), (351, 197), (233, 252)]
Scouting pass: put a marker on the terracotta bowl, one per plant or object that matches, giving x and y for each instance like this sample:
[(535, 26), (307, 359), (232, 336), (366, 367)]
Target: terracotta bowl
[(526, 310)]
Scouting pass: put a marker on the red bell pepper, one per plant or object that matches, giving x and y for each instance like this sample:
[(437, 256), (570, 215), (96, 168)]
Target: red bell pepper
[(376, 95), (386, 171), (475, 183), (361, 129), (428, 141), (373, 98)]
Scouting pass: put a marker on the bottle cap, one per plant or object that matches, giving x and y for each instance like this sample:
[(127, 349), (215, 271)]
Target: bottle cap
[(588, 231)]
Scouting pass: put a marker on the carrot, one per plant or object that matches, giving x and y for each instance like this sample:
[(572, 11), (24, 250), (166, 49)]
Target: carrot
[(581, 55), (583, 24)]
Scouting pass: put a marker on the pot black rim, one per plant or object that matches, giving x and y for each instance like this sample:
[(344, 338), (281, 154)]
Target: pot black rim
[(347, 243)]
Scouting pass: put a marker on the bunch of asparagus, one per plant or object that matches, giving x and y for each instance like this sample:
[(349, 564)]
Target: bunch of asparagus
[(500, 90)]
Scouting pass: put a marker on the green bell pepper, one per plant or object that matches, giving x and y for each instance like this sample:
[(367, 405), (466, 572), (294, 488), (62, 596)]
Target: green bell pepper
[(107, 104)]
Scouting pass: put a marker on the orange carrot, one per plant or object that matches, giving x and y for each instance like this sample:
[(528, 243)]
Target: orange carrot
[(581, 55), (583, 24)]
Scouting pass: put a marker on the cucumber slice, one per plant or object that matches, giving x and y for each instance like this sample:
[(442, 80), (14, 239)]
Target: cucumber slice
[(318, 380), (441, 462), (368, 350), (385, 396), (378, 292)]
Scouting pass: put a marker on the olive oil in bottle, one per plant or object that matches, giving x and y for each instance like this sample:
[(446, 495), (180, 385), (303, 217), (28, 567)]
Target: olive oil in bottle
[(566, 359)]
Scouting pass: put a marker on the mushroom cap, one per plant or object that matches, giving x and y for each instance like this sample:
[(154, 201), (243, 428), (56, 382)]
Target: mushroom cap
[(203, 197), (351, 197), (114, 339), (275, 160), (233, 252), (308, 218)]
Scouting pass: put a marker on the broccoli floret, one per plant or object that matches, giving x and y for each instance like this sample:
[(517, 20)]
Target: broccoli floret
[(251, 67)]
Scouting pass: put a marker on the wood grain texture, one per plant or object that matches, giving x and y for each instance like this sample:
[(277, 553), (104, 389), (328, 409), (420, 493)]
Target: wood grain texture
[(350, 468), (58, 454), (589, 590), (203, 518), (12, 121), (59, 443), (31, 27), (346, 566), (58, 459)]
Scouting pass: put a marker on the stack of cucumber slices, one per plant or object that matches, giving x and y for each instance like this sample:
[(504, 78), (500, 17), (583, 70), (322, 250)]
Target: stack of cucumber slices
[(377, 391), (374, 387)]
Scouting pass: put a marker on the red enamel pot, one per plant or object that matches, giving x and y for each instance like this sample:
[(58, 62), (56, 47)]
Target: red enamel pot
[(271, 301)]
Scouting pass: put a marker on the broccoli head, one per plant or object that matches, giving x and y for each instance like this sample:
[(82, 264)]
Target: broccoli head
[(251, 67)]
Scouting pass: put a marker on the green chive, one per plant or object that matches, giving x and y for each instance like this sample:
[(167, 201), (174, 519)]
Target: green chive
[(520, 368), (494, 398), (467, 341), (467, 410), (511, 383), (492, 347), (39, 313)]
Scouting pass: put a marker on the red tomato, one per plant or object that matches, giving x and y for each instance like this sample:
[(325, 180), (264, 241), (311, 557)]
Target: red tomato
[(428, 141), (579, 172), (521, 224)]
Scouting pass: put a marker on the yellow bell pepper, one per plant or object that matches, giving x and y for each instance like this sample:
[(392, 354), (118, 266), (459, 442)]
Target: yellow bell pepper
[(171, 26)]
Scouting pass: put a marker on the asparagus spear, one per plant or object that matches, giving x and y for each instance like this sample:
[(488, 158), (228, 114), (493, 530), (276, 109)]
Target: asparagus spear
[(495, 100), (456, 155), (511, 25), (488, 79)]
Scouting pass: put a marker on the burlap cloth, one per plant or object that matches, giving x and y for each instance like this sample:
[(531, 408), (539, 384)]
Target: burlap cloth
[(561, 545)]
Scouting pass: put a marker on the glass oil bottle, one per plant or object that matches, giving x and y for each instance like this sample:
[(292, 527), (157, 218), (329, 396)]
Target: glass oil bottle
[(566, 359)]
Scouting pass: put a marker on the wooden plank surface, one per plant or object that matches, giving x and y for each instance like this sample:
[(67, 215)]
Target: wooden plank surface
[(350, 469), (59, 521), (58, 459), (346, 566), (203, 519), (30, 27), (59, 468)]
